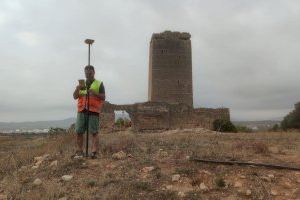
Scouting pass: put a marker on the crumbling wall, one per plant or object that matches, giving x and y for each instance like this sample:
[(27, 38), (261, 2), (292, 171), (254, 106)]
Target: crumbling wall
[(161, 115), (201, 117), (150, 116)]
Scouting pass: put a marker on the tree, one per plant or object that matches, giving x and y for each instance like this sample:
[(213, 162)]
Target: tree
[(292, 120)]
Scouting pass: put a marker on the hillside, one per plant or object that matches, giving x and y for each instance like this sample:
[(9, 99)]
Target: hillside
[(257, 125), (151, 166), (65, 123), (31, 125)]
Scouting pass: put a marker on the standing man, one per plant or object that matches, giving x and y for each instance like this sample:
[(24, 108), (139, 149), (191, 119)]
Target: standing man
[(94, 89)]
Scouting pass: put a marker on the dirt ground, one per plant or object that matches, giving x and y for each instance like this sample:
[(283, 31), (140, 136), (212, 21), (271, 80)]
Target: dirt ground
[(151, 166)]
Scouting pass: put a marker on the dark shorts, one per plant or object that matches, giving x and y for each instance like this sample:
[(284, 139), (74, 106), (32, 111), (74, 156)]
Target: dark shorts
[(81, 123)]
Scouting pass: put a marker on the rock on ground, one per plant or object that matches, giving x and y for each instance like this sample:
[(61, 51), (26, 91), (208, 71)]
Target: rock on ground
[(274, 150), (67, 177), (238, 184), (35, 167), (203, 187), (274, 192), (23, 168), (181, 194), (169, 187), (267, 179), (231, 197), (119, 156), (271, 176), (39, 160), (53, 163), (175, 177), (163, 153), (246, 192), (110, 166), (147, 169), (78, 157), (242, 176), (37, 182)]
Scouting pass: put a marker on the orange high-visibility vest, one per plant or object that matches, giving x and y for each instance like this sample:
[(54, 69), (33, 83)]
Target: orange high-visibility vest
[(95, 103)]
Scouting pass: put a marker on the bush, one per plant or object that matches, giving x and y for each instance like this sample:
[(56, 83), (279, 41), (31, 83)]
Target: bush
[(220, 182), (275, 128), (292, 120), (120, 122), (224, 126), (123, 122)]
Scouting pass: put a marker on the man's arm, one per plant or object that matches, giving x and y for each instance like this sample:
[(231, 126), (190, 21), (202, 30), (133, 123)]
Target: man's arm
[(102, 92), (101, 96), (76, 92)]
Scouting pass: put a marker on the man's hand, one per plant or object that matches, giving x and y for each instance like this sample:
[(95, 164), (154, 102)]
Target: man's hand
[(76, 94), (79, 87)]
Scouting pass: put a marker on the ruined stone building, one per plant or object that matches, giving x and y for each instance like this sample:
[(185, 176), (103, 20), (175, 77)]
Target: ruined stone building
[(170, 90)]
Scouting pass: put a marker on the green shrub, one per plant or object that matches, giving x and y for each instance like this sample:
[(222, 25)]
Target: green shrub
[(220, 182), (123, 122), (275, 128), (224, 126), (120, 122)]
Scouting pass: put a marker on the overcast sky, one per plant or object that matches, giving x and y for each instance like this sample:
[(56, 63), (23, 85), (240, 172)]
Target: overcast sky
[(245, 53)]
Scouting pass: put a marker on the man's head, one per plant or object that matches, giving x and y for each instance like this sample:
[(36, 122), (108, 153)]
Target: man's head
[(89, 72)]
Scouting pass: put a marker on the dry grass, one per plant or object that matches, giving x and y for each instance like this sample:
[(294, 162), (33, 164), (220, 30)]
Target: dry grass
[(15, 155), (256, 147), (106, 178)]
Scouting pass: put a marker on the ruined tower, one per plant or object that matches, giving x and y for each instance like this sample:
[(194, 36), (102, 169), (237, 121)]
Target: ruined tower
[(170, 91), (170, 68)]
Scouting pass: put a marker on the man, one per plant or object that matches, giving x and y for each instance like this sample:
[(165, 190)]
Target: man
[(94, 89)]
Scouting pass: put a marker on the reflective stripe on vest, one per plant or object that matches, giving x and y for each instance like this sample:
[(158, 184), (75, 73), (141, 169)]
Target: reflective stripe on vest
[(95, 103)]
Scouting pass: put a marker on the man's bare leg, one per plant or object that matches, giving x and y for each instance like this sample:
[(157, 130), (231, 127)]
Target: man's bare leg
[(95, 143), (79, 141)]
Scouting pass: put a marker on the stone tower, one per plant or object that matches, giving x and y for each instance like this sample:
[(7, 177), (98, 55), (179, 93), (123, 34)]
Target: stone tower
[(170, 68)]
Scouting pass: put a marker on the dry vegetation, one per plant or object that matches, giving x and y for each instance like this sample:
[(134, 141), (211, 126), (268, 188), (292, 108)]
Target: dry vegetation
[(165, 154)]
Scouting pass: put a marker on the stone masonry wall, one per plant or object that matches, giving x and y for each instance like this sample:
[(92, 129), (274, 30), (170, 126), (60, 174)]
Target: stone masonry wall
[(162, 116), (170, 68)]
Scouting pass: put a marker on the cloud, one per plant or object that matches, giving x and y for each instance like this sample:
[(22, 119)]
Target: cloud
[(28, 38), (3, 19)]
